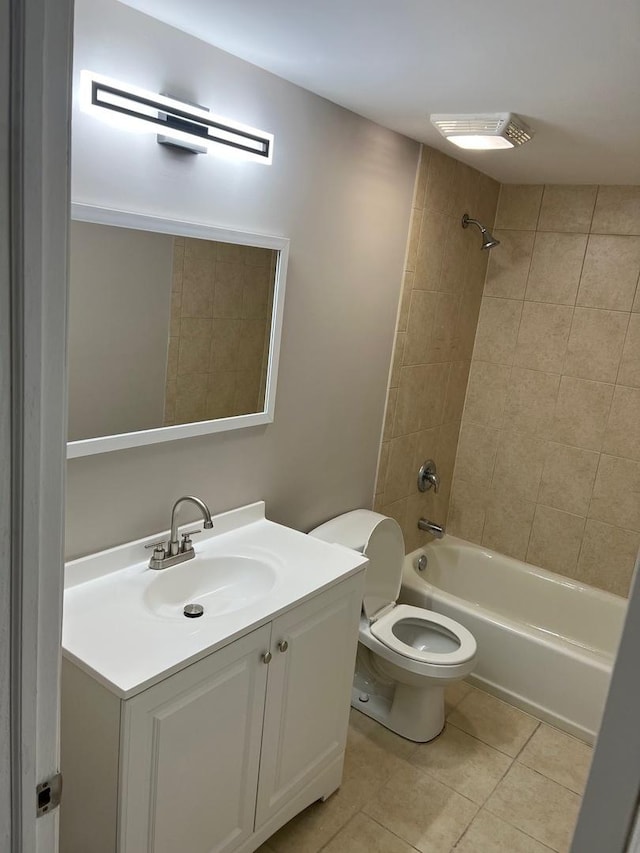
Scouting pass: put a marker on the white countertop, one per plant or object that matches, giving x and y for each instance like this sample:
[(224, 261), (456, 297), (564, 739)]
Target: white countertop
[(110, 633)]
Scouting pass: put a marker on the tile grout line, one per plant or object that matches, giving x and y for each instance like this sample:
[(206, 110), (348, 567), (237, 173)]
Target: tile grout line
[(523, 831), (584, 259), (533, 246), (537, 369), (517, 828), (528, 740), (387, 829), (507, 769), (587, 233), (593, 212), (541, 437), (466, 829), (491, 746), (624, 345), (339, 830), (495, 462), (425, 772), (540, 203), (422, 771), (548, 778), (534, 437)]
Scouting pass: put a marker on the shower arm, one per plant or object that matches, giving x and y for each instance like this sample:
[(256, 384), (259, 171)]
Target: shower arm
[(467, 221)]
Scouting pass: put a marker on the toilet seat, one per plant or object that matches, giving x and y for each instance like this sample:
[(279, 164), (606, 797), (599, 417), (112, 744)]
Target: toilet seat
[(444, 631)]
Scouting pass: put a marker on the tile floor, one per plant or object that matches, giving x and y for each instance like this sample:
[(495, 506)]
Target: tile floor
[(496, 781)]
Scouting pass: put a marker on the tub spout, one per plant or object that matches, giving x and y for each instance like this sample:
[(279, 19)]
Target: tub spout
[(431, 527)]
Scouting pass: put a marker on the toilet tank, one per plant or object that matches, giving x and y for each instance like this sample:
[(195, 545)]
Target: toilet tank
[(380, 539)]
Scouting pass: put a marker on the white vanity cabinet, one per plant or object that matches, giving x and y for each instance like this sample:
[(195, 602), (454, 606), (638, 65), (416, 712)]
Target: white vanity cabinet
[(219, 755), (191, 752), (308, 696)]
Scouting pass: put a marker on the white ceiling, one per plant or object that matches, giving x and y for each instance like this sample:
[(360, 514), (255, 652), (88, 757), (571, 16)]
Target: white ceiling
[(570, 68)]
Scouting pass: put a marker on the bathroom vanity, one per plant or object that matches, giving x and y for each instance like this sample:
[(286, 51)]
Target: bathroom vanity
[(205, 734)]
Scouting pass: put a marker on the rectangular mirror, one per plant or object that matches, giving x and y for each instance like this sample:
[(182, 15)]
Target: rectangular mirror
[(174, 329)]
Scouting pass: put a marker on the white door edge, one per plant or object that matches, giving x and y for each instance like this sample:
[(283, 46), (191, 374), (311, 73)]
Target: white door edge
[(32, 453)]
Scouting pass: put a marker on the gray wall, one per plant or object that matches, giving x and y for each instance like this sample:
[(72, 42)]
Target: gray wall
[(119, 305), (340, 188)]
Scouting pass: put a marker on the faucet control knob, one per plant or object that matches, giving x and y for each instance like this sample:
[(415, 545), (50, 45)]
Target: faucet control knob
[(187, 544), (428, 477), (159, 552)]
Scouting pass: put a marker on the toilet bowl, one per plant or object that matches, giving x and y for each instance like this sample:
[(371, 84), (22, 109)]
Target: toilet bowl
[(406, 655)]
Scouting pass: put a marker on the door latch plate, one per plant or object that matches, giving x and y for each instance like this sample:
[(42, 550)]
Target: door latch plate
[(48, 795)]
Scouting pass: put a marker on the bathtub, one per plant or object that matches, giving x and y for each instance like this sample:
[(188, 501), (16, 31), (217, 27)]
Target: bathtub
[(546, 644)]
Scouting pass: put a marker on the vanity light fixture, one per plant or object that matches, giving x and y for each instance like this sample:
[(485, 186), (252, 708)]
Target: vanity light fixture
[(176, 122), (483, 131)]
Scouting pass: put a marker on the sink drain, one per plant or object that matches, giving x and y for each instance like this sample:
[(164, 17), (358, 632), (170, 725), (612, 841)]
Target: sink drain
[(192, 611)]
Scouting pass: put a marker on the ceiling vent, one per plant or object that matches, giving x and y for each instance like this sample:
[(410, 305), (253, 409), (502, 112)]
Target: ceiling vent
[(483, 132)]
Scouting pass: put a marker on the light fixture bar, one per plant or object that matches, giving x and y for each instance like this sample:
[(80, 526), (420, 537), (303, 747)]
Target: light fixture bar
[(178, 119)]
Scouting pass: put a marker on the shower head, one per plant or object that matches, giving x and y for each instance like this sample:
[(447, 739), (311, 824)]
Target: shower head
[(488, 240)]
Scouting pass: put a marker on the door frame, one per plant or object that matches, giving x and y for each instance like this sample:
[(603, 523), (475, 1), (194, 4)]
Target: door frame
[(34, 204)]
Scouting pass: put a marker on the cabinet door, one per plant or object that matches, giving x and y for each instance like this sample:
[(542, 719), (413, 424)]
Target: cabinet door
[(191, 749), (308, 693)]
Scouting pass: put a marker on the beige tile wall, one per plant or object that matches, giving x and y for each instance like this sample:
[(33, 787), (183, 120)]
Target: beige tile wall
[(222, 296), (444, 277), (548, 462)]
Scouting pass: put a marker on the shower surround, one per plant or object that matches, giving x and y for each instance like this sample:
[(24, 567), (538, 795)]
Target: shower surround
[(540, 363), (548, 461)]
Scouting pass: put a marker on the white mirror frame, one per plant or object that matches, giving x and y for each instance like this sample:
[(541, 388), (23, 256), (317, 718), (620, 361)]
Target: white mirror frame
[(124, 219)]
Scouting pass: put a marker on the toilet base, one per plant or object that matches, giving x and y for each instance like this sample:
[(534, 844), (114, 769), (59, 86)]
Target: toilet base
[(415, 714)]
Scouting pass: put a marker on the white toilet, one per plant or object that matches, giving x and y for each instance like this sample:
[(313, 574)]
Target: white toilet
[(406, 655)]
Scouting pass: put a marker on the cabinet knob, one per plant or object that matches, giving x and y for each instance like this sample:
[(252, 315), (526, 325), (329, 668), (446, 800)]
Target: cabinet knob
[(266, 657), (283, 645)]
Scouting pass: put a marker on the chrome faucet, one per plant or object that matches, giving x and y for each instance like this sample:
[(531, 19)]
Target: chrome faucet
[(431, 527), (173, 552)]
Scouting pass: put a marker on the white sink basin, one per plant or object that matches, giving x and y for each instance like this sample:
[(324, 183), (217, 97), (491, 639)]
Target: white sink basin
[(220, 584), (124, 623)]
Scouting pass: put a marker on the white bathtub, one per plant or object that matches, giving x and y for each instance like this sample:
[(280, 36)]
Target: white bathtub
[(545, 643)]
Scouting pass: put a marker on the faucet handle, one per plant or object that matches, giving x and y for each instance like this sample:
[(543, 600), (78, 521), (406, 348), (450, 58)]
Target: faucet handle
[(428, 477), (186, 540), (159, 552)]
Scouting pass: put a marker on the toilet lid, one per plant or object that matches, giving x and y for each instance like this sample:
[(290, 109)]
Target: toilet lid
[(384, 549), (380, 539), (426, 636)]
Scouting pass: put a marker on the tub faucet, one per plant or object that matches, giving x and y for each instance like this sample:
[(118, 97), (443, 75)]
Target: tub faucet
[(173, 552), (431, 527)]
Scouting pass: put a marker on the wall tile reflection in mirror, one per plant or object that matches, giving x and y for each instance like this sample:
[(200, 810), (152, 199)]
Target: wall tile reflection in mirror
[(165, 330), (221, 303)]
